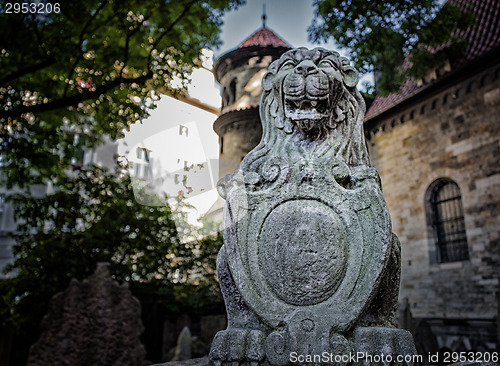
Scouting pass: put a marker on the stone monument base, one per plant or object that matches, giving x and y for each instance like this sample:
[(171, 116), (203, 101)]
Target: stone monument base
[(204, 361)]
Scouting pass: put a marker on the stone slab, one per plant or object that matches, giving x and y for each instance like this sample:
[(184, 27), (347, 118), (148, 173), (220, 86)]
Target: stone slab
[(203, 361)]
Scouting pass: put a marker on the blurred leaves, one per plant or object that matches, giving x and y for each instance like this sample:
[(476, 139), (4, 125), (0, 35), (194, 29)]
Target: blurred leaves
[(395, 39), (93, 217), (91, 69)]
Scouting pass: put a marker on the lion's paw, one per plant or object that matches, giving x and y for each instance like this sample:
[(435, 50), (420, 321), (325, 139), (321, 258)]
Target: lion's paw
[(236, 346), (384, 346)]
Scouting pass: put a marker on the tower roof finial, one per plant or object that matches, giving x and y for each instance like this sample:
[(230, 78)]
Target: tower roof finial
[(264, 17)]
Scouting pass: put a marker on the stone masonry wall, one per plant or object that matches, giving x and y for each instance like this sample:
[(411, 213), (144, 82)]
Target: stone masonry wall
[(239, 138), (242, 84), (453, 134), (241, 94)]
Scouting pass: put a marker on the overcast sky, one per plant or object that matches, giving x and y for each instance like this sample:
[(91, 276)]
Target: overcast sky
[(289, 19)]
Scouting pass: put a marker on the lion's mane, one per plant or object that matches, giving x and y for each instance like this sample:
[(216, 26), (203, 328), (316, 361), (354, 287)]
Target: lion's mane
[(340, 135)]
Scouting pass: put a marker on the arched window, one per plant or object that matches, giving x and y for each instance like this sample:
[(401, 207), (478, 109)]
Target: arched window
[(446, 220), (229, 93)]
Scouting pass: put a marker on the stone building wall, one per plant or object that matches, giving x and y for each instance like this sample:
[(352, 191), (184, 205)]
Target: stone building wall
[(241, 84), (239, 127), (238, 138), (454, 133)]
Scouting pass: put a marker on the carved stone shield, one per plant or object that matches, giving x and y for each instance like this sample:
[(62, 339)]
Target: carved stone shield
[(305, 243)]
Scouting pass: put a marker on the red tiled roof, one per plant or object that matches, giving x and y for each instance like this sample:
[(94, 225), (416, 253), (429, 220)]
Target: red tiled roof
[(482, 37), (264, 37)]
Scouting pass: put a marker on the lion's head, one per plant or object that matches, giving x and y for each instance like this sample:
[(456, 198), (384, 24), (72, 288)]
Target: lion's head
[(310, 105), (309, 86)]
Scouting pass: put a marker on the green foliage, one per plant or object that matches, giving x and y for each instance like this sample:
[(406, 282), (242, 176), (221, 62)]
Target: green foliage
[(94, 217), (395, 39), (90, 70)]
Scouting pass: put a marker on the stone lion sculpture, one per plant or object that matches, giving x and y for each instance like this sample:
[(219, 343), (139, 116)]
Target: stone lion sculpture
[(309, 265)]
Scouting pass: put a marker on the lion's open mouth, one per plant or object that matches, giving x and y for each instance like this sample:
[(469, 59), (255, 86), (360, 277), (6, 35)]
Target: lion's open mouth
[(303, 108)]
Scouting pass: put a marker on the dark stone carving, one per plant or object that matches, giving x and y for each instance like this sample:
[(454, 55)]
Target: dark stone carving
[(309, 262), (95, 322)]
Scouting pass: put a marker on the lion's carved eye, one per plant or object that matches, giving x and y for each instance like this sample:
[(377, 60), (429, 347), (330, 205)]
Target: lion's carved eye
[(287, 65), (326, 63)]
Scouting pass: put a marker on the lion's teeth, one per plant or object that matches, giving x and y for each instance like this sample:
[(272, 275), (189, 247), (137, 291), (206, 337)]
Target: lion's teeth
[(314, 102)]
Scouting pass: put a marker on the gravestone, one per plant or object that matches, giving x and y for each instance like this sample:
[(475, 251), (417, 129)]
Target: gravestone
[(309, 267), (96, 322), (183, 348)]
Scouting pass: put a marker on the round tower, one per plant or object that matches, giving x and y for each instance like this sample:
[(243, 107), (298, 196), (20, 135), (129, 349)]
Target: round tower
[(240, 73)]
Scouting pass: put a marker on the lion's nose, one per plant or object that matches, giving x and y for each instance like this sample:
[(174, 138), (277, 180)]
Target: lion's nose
[(306, 67)]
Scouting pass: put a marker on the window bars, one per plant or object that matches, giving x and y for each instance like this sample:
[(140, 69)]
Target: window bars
[(448, 222)]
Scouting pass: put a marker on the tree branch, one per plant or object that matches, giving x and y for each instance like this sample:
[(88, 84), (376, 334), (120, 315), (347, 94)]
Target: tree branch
[(171, 26), (72, 100), (127, 43), (27, 70), (48, 60), (91, 19), (81, 39)]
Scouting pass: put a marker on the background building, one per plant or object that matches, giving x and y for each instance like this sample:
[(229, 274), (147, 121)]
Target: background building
[(103, 156), (240, 73), (238, 126), (436, 146)]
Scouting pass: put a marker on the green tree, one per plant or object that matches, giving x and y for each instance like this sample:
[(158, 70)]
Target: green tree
[(395, 39), (91, 69), (94, 216)]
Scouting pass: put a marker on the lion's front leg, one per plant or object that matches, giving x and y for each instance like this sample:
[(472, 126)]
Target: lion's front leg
[(243, 340), (382, 311)]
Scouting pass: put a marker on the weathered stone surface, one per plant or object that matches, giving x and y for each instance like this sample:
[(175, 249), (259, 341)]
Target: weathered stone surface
[(455, 134), (203, 361), (309, 262), (96, 322)]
